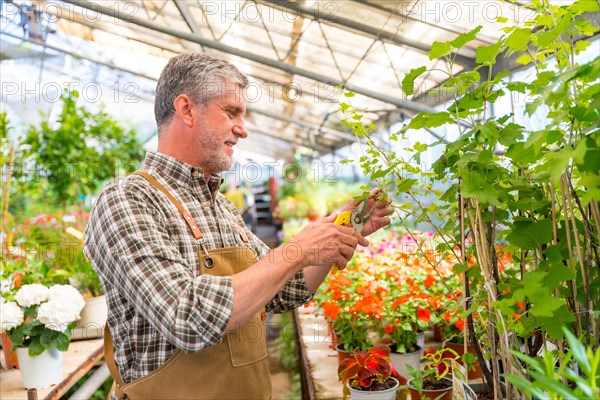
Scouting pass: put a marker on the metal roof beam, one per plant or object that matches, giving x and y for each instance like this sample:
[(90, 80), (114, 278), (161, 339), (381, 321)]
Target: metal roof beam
[(399, 102), (375, 33), (318, 148), (342, 135)]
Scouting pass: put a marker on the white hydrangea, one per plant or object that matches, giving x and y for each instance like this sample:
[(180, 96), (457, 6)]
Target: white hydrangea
[(63, 307), (57, 315), (11, 315), (67, 293), (30, 295)]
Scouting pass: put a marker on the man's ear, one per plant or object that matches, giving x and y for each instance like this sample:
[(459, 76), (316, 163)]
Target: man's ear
[(184, 109)]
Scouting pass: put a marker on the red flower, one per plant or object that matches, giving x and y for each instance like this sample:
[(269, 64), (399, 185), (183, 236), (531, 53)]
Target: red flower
[(429, 281), (389, 329), (520, 305), (423, 315), (447, 317)]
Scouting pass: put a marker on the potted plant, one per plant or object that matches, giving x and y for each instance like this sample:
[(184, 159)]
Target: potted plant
[(369, 374), (404, 321), (430, 381), (351, 308), (39, 324)]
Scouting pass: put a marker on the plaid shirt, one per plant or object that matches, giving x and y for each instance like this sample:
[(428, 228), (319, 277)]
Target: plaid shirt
[(147, 259)]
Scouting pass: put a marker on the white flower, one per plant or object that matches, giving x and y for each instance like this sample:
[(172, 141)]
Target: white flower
[(57, 314), (11, 315), (30, 295), (68, 294)]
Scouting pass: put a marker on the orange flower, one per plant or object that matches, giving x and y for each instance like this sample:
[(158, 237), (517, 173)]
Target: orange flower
[(423, 314), (447, 317), (429, 281), (400, 300), (520, 305), (517, 316), (331, 310), (460, 324)]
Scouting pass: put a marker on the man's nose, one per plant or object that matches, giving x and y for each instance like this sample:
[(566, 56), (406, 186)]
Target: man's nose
[(239, 129)]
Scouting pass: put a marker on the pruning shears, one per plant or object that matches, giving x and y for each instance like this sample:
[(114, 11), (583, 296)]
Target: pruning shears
[(356, 218)]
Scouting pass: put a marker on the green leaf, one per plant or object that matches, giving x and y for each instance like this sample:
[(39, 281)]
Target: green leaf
[(557, 163), (549, 36), (519, 39), (408, 83), (460, 268), (439, 49), (521, 154), (62, 342), (487, 54), (582, 6), (558, 274), (475, 186), (578, 350), (349, 94), (48, 337), (465, 38), (344, 106), (547, 307), (510, 134), (587, 155), (553, 325), (527, 234), (524, 59), (426, 120), (405, 185), (35, 347)]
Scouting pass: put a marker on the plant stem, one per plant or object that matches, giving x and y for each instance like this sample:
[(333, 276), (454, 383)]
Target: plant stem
[(570, 259)]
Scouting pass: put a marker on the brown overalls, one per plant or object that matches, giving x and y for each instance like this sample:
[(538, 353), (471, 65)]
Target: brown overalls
[(236, 368)]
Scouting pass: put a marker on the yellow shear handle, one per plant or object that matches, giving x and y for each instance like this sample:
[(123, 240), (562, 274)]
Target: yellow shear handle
[(343, 218)]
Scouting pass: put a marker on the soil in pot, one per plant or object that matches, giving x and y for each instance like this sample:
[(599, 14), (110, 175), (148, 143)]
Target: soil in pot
[(390, 383), (443, 390)]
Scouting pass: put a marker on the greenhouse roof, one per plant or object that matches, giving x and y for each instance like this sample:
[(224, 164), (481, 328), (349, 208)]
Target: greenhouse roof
[(295, 53)]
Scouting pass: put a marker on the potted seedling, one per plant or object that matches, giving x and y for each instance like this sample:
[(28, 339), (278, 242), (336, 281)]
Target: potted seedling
[(369, 374), (432, 381)]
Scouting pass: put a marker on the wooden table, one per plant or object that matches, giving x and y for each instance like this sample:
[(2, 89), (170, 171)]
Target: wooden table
[(77, 361)]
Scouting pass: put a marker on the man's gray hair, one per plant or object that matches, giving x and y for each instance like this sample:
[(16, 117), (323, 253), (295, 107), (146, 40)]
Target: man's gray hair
[(197, 75)]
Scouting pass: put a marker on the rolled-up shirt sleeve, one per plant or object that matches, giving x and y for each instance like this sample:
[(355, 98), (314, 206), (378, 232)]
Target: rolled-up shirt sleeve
[(132, 251)]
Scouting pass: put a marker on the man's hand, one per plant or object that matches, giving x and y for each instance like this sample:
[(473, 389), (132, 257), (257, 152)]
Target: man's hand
[(323, 243), (379, 219)]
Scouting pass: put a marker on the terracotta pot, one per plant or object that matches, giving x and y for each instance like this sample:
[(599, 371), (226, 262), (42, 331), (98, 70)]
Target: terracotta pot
[(10, 355), (334, 336), (342, 354), (475, 371), (438, 336), (440, 394)]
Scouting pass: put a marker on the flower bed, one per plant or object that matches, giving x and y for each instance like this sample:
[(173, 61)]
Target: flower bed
[(390, 292)]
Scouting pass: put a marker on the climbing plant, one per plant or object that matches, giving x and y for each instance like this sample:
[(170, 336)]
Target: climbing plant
[(535, 191)]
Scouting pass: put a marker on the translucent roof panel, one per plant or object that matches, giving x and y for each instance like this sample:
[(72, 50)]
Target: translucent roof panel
[(295, 52)]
